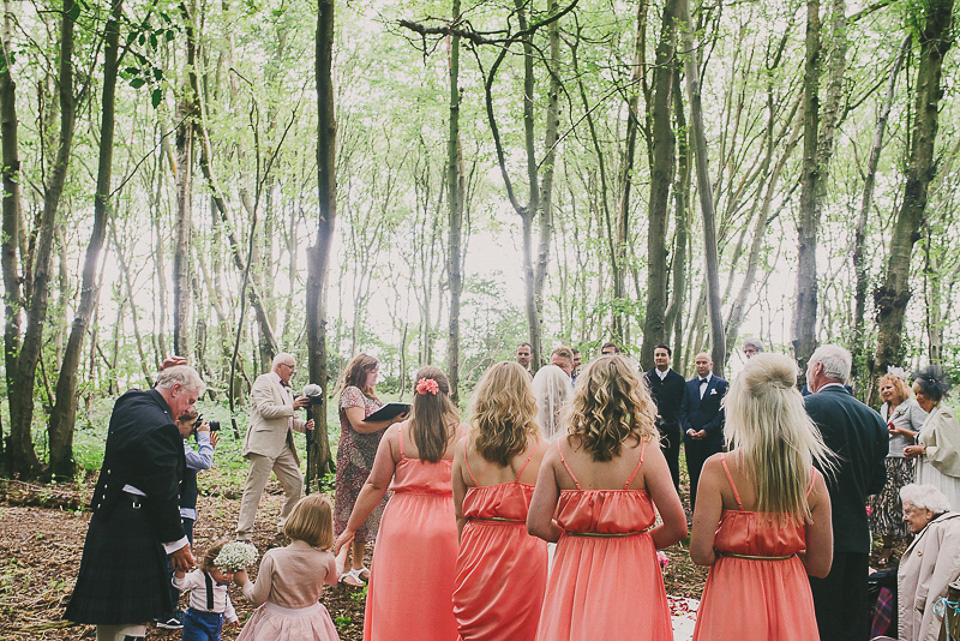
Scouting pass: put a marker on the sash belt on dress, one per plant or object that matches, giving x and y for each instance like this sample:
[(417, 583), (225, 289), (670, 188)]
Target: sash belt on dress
[(496, 519), (750, 557), (605, 535)]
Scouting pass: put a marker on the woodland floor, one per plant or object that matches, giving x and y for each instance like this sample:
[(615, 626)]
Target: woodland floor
[(41, 539)]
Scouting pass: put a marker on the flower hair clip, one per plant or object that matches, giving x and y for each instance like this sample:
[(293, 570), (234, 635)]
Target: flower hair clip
[(427, 386)]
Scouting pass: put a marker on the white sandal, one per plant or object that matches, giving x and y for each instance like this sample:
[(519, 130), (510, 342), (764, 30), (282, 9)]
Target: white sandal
[(351, 578)]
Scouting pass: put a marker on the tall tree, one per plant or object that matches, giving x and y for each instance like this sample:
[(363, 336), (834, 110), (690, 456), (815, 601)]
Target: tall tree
[(64, 414), (934, 34), (318, 257), (454, 212), (804, 325), (662, 161)]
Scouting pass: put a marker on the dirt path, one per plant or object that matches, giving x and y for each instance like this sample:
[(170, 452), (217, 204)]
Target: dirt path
[(41, 543)]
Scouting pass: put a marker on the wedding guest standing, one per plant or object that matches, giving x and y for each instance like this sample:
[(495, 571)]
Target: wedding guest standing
[(859, 438), (552, 391), (904, 418), (666, 387), (938, 450), (701, 419), (762, 521), (597, 495), (410, 592), (355, 454), (501, 569)]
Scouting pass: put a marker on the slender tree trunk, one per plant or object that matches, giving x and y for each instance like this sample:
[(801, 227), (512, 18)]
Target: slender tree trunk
[(673, 320), (318, 258), (860, 266), (891, 298), (25, 459), (804, 324), (11, 220), (663, 143), (64, 414), (704, 188), (454, 214), (183, 228)]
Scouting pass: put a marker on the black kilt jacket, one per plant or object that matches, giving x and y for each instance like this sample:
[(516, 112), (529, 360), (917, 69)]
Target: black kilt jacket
[(123, 577)]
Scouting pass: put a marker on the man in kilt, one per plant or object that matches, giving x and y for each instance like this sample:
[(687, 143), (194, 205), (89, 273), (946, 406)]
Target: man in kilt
[(136, 516)]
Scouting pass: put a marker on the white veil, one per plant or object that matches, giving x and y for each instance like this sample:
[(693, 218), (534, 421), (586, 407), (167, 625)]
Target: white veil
[(553, 389)]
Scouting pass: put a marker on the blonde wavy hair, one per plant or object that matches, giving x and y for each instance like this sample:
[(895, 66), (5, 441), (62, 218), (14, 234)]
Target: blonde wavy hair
[(434, 417), (766, 420), (610, 405), (904, 392), (504, 413)]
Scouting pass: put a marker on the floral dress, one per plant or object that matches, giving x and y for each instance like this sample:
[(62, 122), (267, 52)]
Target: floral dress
[(355, 456)]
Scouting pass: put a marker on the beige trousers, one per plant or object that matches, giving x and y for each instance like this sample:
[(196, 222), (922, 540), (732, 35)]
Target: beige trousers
[(120, 632), (287, 469)]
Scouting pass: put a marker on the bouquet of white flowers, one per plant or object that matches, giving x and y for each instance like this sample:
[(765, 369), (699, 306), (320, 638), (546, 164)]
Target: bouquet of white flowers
[(236, 556)]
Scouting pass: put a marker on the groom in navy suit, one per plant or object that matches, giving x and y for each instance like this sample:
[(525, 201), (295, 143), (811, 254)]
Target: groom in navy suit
[(701, 419)]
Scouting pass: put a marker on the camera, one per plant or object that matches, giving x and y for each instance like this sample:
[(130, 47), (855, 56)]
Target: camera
[(214, 425)]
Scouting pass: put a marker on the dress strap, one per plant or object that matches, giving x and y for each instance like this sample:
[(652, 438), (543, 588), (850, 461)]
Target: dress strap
[(402, 455), (643, 448), (527, 462), (466, 464), (726, 470), (569, 471), (813, 479)]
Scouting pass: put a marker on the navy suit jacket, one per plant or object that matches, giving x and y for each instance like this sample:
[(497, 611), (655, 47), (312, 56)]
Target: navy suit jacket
[(858, 435), (705, 414), (144, 449), (667, 394)]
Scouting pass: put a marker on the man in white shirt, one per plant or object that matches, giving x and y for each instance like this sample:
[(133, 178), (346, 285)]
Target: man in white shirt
[(269, 443)]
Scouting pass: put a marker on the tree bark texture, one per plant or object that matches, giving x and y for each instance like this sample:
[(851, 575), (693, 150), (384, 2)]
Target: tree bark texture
[(704, 188), (663, 144), (64, 414), (318, 258), (454, 214), (804, 325), (935, 38)]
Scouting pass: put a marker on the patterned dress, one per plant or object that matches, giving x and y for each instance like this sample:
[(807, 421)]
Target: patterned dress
[(355, 456)]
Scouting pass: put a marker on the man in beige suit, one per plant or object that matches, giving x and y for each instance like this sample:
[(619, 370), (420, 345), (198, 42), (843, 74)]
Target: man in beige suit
[(269, 442)]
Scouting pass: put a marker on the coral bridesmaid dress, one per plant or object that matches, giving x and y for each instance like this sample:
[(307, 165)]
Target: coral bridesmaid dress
[(409, 597), (501, 570), (758, 589), (606, 583)]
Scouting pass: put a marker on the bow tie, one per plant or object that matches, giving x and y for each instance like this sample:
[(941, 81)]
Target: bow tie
[(704, 380)]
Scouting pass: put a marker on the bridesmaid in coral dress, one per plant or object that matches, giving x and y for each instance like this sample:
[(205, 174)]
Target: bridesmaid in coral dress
[(411, 579), (595, 496), (763, 513), (501, 570)]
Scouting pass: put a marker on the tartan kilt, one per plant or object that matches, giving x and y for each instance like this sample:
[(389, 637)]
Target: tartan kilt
[(123, 577)]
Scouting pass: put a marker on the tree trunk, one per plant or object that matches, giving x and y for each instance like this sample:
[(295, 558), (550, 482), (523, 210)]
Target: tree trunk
[(183, 227), (663, 143), (860, 266), (704, 188), (454, 214), (804, 324), (935, 38), (64, 414), (673, 321), (318, 258), (11, 223), (20, 394)]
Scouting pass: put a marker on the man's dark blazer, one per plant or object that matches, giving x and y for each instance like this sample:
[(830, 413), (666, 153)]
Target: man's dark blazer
[(858, 435), (667, 394), (144, 449), (705, 414)]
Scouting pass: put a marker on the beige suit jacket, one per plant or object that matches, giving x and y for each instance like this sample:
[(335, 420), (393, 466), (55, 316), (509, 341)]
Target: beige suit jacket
[(271, 418), (930, 563)]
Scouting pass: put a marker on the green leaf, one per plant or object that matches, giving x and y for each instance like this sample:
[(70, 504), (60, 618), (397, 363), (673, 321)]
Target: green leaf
[(156, 97), (170, 34), (153, 40), (74, 12), (136, 83), (157, 74)]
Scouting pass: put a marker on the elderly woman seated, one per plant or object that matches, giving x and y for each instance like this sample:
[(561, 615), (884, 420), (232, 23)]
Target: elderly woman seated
[(930, 563)]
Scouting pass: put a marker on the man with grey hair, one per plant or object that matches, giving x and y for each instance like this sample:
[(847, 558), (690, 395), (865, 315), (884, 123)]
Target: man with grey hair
[(136, 515), (858, 436), (751, 348), (269, 443)]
